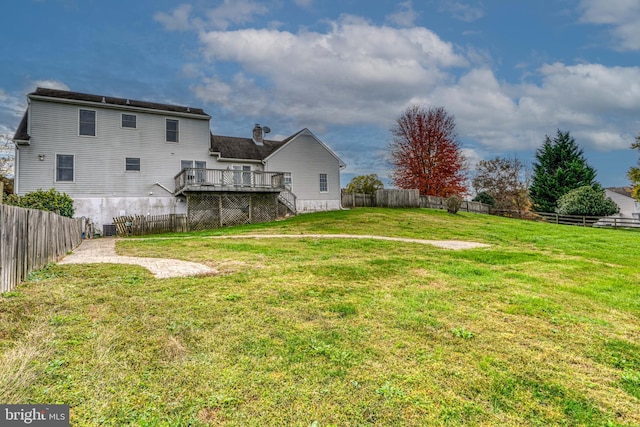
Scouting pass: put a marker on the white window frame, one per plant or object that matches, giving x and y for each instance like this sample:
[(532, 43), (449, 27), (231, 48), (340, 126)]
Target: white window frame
[(325, 182), (135, 116), (133, 170), (166, 130), (55, 166), (200, 175), (288, 180), (95, 123), (242, 175)]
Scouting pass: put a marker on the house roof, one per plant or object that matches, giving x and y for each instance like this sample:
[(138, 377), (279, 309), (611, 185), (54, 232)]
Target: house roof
[(624, 191), (308, 132), (230, 147), (109, 100)]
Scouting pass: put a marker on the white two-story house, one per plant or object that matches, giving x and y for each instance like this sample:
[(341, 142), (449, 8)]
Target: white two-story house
[(116, 157)]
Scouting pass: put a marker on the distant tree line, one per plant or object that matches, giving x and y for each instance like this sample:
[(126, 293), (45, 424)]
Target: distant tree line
[(426, 154)]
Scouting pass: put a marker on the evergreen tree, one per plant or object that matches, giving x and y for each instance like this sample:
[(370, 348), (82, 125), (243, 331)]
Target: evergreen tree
[(560, 167)]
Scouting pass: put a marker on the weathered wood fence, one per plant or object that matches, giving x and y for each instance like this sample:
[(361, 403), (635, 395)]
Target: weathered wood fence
[(404, 199), (577, 220), (140, 225), (31, 238)]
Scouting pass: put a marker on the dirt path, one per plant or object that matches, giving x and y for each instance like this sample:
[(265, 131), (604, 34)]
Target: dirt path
[(445, 244), (104, 251)]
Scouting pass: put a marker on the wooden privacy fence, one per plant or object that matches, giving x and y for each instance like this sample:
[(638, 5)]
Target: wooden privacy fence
[(31, 238), (404, 199), (140, 225), (587, 221)]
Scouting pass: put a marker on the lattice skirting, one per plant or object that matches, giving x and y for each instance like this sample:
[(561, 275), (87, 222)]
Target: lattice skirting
[(215, 210)]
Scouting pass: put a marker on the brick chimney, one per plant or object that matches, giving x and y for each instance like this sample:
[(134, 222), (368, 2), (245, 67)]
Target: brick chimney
[(257, 135)]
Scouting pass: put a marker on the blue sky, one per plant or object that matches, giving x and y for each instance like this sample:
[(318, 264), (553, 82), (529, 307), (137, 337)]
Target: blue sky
[(509, 71)]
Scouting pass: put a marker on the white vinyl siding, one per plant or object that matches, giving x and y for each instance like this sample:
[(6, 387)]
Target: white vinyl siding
[(172, 130), (99, 167), (129, 121), (65, 166), (305, 157), (87, 122)]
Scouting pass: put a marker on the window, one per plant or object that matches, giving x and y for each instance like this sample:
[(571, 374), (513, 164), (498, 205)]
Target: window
[(242, 178), (172, 130), (200, 170), (87, 123), (287, 180), (64, 167), (129, 121), (323, 183), (132, 164)]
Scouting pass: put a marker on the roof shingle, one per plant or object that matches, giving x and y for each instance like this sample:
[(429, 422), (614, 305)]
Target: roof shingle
[(77, 96), (231, 147)]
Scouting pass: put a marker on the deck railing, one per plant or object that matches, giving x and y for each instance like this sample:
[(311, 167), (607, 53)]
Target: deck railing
[(227, 180)]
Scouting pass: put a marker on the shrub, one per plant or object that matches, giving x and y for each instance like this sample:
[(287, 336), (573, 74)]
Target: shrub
[(486, 198), (587, 201), (50, 200), (453, 204)]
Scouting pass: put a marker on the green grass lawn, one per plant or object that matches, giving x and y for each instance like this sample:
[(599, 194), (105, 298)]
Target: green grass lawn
[(542, 328)]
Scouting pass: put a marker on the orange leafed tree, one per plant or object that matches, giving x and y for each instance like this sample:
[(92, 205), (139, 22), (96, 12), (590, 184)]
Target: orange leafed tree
[(426, 153)]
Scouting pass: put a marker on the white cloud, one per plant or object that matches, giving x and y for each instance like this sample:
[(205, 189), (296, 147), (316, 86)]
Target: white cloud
[(235, 12), (462, 11), (358, 73), (49, 84), (228, 13), (598, 104), (177, 20), (621, 15), (405, 16), (341, 76)]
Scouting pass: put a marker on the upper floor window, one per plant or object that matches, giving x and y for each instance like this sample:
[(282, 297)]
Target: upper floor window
[(173, 130), (287, 180), (87, 123), (64, 167), (132, 164), (129, 121), (324, 186)]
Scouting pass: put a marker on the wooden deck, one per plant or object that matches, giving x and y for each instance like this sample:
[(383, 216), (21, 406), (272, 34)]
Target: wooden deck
[(225, 180)]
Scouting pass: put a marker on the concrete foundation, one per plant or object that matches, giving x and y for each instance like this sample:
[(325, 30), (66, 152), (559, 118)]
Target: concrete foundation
[(102, 210)]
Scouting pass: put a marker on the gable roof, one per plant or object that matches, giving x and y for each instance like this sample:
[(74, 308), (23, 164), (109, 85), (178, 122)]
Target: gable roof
[(55, 94), (309, 133), (234, 148), (623, 191)]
